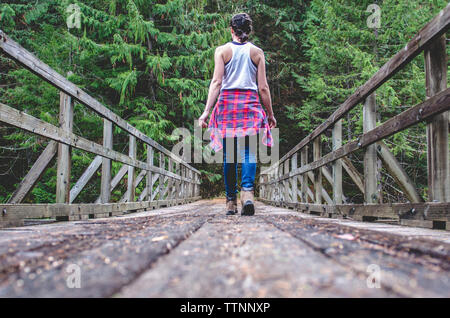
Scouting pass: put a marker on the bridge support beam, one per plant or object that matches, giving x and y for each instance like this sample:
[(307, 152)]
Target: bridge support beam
[(64, 151), (396, 170), (437, 128), (85, 177), (170, 181), (36, 171), (370, 155)]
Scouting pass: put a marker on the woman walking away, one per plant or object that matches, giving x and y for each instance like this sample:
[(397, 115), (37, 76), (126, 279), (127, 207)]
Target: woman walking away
[(239, 74)]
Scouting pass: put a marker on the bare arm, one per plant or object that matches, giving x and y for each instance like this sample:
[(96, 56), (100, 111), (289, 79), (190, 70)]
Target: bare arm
[(263, 87), (214, 87)]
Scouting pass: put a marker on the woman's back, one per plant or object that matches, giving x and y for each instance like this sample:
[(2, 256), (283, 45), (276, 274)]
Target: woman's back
[(240, 71)]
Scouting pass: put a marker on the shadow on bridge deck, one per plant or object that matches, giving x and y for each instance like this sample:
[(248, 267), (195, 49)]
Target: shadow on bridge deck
[(195, 251)]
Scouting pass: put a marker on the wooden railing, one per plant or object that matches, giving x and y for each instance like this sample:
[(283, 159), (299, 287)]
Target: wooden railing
[(172, 181), (287, 182)]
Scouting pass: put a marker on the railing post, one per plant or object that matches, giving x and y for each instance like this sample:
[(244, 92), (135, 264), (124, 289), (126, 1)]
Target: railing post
[(303, 176), (105, 187), (186, 183), (196, 186), (271, 186), (294, 179), (437, 128), (199, 180), (279, 183), (317, 153), (266, 186), (370, 155), (64, 151), (337, 165), (262, 186), (183, 183), (177, 182), (161, 176), (149, 173), (286, 181), (191, 184), (131, 176)]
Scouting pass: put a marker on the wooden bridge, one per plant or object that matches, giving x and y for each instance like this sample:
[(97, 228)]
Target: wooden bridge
[(311, 243)]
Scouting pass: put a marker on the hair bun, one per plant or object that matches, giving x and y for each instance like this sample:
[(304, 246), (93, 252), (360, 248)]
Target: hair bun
[(242, 26)]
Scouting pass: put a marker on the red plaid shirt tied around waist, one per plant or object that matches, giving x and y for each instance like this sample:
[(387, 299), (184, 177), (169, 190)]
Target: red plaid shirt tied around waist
[(238, 113)]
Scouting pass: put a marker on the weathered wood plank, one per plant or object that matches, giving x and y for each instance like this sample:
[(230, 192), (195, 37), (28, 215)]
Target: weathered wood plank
[(324, 192), (144, 193), (353, 173), (370, 154), (337, 165), (116, 180), (286, 182), (317, 153), (85, 177), (328, 176), (280, 189), (149, 185), (177, 182), (131, 190), (35, 173), (161, 177), (396, 170), (294, 185), (105, 186), (64, 151), (437, 129), (303, 177), (14, 212), (170, 182), (119, 176), (437, 211), (137, 181)]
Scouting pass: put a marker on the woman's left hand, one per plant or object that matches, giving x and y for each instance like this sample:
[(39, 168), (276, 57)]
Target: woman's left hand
[(202, 120)]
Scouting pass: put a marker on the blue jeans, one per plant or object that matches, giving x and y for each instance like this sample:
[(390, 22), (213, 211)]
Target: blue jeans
[(230, 164)]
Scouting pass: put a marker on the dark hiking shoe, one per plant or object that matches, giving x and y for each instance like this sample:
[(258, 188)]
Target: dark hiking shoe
[(248, 208), (231, 207)]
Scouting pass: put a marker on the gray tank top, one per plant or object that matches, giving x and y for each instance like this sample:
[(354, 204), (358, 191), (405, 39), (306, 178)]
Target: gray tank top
[(240, 71)]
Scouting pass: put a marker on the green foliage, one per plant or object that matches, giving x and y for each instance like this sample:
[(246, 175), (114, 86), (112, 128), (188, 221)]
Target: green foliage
[(7, 15), (150, 61)]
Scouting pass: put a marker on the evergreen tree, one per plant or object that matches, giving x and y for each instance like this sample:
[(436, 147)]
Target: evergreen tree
[(150, 61)]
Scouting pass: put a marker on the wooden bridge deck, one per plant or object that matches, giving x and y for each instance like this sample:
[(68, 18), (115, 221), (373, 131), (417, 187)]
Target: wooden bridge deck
[(194, 250)]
